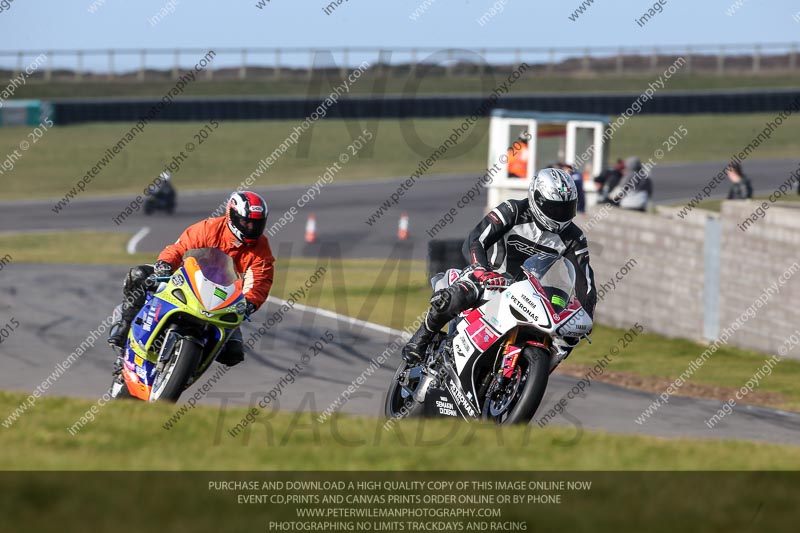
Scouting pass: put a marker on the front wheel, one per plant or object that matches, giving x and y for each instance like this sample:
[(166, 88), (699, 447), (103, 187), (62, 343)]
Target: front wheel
[(171, 381), (516, 399)]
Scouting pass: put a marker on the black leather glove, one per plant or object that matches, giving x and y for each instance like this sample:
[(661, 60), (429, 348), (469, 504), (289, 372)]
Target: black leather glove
[(162, 269), (250, 309)]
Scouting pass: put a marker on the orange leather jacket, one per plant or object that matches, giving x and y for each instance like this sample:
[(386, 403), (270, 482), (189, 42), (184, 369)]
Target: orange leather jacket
[(518, 162), (255, 263)]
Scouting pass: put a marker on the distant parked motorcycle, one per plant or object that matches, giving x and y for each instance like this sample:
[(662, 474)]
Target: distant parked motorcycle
[(495, 361)]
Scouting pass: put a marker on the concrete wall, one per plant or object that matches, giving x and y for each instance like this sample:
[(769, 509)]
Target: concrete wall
[(678, 287), (752, 262), (663, 290)]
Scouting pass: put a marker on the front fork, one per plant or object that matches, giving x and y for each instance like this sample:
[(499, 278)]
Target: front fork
[(510, 354), (511, 351)]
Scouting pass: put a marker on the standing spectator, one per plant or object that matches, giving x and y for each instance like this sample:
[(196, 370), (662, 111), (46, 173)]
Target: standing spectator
[(609, 179), (635, 187), (741, 189), (518, 157), (577, 177)]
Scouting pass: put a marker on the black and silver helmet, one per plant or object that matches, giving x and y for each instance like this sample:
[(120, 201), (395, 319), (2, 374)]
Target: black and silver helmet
[(553, 199)]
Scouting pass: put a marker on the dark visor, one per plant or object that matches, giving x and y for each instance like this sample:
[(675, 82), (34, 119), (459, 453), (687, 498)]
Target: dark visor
[(559, 211), (250, 227)]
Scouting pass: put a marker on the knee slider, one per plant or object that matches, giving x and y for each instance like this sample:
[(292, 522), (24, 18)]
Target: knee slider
[(440, 301), (137, 275), (236, 348), (467, 293), (232, 353)]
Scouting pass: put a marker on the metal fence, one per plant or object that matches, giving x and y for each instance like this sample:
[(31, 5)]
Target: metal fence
[(276, 63)]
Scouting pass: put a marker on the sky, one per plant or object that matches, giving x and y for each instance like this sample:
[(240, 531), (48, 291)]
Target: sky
[(68, 24)]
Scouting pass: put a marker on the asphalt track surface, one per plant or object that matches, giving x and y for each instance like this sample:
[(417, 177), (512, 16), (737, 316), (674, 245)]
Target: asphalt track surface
[(57, 307), (53, 327)]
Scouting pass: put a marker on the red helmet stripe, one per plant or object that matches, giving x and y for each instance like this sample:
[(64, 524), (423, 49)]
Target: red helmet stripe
[(252, 199)]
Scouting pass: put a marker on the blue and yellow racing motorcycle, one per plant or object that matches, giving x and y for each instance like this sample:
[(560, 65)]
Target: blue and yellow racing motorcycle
[(185, 322)]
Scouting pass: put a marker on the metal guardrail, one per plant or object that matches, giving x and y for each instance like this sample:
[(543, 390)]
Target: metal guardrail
[(275, 63)]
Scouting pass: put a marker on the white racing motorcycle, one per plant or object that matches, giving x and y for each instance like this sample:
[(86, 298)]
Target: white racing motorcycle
[(495, 360)]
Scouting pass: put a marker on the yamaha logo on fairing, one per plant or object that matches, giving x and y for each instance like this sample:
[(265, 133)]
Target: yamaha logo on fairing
[(524, 308)]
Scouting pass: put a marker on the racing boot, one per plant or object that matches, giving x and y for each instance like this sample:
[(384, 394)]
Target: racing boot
[(119, 330), (414, 350), (233, 352), (116, 371), (445, 305), (135, 291)]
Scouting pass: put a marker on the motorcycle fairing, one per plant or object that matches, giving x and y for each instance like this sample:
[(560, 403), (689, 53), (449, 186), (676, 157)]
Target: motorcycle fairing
[(478, 332), (140, 359), (212, 295), (438, 402)]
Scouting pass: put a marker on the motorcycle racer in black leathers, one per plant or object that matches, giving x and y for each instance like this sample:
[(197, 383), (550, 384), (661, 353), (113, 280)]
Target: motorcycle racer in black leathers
[(502, 241)]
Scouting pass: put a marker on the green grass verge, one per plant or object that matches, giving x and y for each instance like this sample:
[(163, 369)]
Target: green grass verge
[(71, 247), (395, 85), (232, 152), (395, 293), (710, 138), (130, 436), (50, 167)]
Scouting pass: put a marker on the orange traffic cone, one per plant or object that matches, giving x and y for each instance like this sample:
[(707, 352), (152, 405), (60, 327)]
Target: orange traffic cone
[(402, 227), (311, 229)]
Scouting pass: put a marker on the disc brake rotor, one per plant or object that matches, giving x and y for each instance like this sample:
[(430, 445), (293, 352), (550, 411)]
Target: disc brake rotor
[(502, 398)]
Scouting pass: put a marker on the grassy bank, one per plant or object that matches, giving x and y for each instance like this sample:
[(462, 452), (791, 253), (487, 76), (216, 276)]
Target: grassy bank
[(130, 436), (51, 166)]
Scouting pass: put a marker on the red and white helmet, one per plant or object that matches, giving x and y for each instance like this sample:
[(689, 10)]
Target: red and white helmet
[(246, 216)]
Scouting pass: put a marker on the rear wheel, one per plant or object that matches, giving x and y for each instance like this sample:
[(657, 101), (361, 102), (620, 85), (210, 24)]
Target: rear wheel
[(400, 402), (515, 400), (171, 381)]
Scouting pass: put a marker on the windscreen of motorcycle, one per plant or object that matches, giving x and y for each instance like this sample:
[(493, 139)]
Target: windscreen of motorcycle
[(217, 266), (213, 276), (557, 277)]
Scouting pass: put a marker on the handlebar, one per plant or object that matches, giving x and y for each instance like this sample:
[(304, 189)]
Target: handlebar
[(153, 281)]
